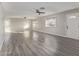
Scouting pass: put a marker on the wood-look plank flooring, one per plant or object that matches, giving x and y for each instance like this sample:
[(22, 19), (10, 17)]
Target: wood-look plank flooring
[(38, 44)]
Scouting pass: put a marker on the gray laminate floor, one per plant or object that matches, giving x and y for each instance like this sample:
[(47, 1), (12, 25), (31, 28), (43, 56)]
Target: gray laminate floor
[(38, 44)]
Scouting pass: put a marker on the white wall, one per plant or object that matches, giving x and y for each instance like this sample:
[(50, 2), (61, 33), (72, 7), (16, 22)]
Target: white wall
[(61, 25), (60, 28), (1, 25)]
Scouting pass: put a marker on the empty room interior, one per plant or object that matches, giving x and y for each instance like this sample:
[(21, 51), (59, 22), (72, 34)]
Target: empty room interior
[(39, 28)]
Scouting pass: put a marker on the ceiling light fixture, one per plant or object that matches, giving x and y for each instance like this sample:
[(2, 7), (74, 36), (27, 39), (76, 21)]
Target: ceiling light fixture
[(24, 17), (42, 8)]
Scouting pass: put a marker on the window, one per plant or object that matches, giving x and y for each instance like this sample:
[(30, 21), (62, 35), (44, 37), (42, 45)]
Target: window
[(7, 26), (35, 24), (27, 25), (50, 22)]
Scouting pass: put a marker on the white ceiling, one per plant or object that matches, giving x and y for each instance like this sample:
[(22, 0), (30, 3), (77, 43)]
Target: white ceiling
[(28, 8)]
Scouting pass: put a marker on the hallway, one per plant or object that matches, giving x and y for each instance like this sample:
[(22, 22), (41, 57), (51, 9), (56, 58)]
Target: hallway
[(39, 29), (40, 44)]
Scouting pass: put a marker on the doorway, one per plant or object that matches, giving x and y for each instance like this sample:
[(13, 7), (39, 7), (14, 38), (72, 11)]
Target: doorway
[(73, 27)]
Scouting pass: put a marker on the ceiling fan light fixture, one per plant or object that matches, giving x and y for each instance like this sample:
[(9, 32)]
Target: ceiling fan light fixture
[(42, 8)]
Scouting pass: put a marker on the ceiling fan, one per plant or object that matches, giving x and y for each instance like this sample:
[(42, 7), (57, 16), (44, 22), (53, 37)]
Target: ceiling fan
[(39, 11)]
